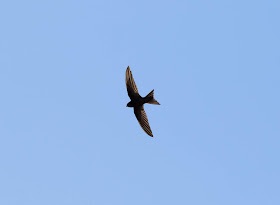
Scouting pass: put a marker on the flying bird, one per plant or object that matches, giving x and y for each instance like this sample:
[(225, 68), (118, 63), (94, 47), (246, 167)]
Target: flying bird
[(137, 102)]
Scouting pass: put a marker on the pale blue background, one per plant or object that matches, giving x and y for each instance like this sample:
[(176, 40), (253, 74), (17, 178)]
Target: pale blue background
[(66, 136)]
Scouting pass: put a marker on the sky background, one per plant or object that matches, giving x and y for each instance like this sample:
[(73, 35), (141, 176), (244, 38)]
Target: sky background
[(67, 137)]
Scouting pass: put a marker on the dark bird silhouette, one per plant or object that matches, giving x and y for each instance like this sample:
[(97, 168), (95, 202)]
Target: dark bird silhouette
[(137, 102)]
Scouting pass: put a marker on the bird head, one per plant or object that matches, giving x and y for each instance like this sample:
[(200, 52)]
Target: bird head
[(129, 104)]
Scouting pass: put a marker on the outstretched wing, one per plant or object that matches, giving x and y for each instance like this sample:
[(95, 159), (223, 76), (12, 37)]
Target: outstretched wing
[(143, 119), (130, 84)]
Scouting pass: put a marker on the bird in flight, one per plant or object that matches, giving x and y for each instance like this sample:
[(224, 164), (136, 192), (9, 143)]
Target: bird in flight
[(137, 102)]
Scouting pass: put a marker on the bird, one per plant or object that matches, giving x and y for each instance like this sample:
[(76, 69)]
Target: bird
[(137, 102)]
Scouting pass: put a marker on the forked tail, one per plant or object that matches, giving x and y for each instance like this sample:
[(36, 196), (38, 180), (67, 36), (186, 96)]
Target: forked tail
[(150, 98)]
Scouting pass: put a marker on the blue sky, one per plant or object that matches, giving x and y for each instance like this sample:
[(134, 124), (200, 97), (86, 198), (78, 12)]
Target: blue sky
[(67, 137)]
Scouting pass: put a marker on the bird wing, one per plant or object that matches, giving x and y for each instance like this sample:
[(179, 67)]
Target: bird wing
[(130, 84), (143, 119)]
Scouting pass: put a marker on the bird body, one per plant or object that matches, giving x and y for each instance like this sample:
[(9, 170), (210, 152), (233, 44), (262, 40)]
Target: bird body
[(137, 102)]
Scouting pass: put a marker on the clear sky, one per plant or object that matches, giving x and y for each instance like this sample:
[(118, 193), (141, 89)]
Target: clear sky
[(67, 137)]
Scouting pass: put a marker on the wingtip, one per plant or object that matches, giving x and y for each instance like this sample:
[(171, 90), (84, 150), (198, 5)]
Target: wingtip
[(128, 70)]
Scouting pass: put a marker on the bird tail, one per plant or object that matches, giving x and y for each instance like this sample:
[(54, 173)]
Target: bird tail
[(150, 98)]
